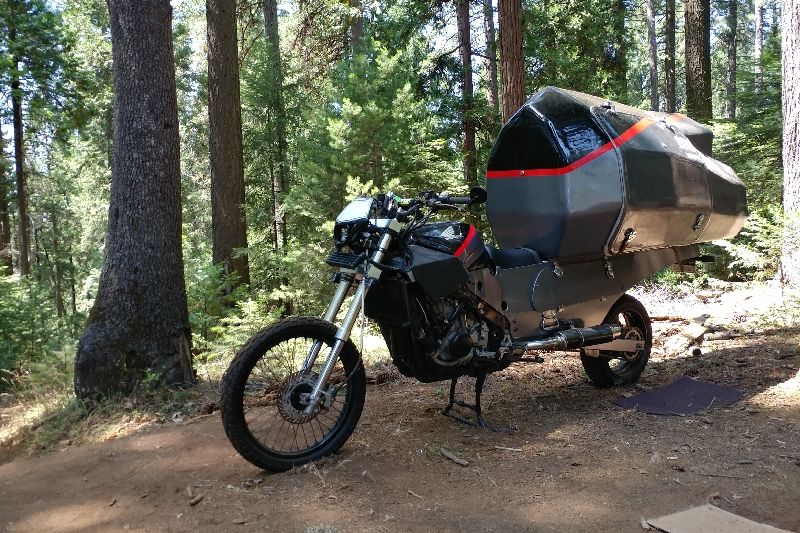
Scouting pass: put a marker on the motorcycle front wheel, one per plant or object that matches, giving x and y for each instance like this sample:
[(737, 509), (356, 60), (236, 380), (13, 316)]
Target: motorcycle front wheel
[(264, 393)]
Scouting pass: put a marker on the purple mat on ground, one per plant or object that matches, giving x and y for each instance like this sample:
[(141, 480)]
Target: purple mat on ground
[(684, 396)]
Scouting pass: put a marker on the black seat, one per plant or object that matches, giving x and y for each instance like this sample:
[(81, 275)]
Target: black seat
[(513, 257)]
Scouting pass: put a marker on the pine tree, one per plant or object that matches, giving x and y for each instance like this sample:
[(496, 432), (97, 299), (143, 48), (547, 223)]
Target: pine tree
[(669, 56), (652, 55), (467, 104), (730, 70), (698, 59), (512, 67), (5, 220), (138, 329), (225, 128), (790, 45), (491, 56)]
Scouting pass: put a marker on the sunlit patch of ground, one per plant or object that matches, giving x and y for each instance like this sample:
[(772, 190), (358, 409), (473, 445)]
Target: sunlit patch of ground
[(783, 396)]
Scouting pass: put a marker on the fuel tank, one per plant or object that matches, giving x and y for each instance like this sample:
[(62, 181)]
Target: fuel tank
[(576, 178), (456, 238)]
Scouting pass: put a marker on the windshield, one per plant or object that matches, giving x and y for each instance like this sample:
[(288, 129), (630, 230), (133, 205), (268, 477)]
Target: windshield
[(358, 209)]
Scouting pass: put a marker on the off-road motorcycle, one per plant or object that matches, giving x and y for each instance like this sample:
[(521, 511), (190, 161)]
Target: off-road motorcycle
[(585, 198)]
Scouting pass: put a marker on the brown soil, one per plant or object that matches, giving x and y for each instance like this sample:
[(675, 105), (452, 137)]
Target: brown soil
[(574, 461)]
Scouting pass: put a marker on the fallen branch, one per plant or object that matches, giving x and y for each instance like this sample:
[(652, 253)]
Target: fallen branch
[(456, 459)]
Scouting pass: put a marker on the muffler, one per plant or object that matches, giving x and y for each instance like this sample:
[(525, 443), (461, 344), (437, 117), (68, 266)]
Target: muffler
[(570, 339)]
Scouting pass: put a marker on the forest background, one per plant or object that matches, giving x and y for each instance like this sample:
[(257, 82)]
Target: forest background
[(337, 99)]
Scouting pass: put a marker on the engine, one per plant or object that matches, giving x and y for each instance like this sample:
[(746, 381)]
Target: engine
[(464, 335)]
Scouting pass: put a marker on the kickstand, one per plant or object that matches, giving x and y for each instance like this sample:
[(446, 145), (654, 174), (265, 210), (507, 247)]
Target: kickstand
[(478, 421)]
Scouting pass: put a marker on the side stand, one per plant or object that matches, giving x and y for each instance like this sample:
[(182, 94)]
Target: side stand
[(478, 421)]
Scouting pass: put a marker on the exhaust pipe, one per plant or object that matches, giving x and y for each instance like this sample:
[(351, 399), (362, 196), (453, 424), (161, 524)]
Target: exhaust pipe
[(570, 339)]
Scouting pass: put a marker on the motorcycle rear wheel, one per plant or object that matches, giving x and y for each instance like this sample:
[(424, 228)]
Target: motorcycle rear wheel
[(613, 368), (263, 394)]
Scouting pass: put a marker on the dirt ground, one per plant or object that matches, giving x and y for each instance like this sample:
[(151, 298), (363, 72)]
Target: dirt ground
[(574, 461)]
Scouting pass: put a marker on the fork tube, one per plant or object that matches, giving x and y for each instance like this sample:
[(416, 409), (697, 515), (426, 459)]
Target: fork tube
[(343, 334), (333, 308), (341, 338), (338, 297)]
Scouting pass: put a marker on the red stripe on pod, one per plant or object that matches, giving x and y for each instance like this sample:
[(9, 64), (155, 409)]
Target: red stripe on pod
[(463, 247), (624, 137)]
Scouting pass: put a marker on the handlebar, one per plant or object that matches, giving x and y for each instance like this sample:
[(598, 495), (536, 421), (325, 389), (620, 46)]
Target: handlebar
[(448, 199)]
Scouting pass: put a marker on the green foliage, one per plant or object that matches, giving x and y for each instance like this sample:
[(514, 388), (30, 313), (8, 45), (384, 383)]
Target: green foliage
[(30, 333), (755, 253), (579, 45)]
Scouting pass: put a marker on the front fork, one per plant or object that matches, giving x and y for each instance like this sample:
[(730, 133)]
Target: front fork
[(343, 333)]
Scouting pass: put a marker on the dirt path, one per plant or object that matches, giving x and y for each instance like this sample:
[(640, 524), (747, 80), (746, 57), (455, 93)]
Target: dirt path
[(575, 462)]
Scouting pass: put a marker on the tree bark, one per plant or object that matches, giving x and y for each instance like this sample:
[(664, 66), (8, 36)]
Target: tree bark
[(6, 259), (467, 97), (698, 60), (620, 70), (138, 330), (491, 56), (790, 45), (280, 172), (758, 45), (512, 65), (653, 54), (669, 59), (19, 151), (730, 71), (356, 25), (228, 224)]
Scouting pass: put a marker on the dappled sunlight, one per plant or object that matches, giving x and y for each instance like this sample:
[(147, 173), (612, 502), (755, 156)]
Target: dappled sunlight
[(785, 394)]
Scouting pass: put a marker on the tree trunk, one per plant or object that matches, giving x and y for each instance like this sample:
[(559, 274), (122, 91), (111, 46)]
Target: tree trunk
[(356, 24), (19, 157), (620, 71), (279, 175), (512, 65), (759, 44), (730, 71), (790, 44), (138, 330), (467, 103), (491, 56), (698, 60), (225, 126), (669, 59), (58, 271), (653, 54), (6, 259)]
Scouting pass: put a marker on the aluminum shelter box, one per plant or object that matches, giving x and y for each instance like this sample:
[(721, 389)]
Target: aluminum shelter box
[(576, 178)]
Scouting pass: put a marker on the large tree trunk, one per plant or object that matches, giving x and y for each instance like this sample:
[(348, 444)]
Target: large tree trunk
[(512, 65), (759, 44), (6, 259), (279, 173), (790, 44), (698, 59), (467, 103), (225, 126), (138, 329), (491, 56), (653, 54), (19, 154), (730, 71), (669, 59)]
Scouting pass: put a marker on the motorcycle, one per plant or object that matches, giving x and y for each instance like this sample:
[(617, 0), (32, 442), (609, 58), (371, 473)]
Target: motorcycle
[(585, 197)]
